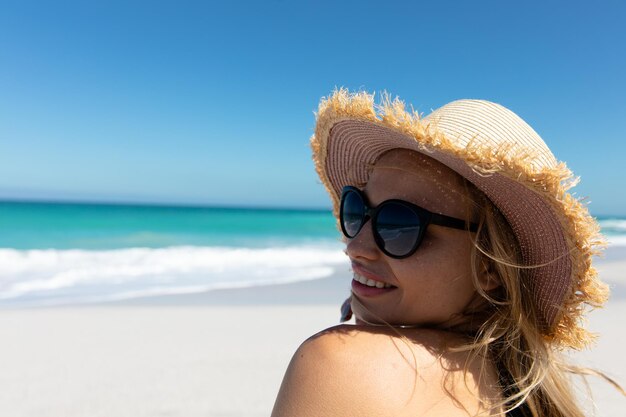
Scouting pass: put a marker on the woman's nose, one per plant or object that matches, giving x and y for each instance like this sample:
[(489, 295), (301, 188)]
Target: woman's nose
[(363, 244)]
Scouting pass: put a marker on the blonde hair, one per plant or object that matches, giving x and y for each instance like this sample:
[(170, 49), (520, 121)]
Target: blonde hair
[(538, 377), (534, 376), (511, 336)]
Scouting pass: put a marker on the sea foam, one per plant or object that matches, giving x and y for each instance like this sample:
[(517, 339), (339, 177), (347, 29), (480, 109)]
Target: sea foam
[(52, 276)]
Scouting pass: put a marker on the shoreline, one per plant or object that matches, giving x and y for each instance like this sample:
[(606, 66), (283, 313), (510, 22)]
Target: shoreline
[(332, 290), (328, 291)]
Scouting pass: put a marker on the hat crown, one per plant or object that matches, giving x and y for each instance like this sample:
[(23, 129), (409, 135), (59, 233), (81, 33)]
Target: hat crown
[(484, 123)]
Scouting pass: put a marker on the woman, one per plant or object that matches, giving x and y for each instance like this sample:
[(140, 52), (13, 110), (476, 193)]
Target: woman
[(471, 261)]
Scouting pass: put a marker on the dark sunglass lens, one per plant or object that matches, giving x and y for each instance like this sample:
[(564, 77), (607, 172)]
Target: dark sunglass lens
[(399, 228), (353, 212)]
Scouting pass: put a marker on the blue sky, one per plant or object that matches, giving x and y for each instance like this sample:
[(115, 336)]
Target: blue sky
[(212, 102)]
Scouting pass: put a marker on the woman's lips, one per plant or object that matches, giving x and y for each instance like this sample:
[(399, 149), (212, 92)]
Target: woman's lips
[(365, 290), (367, 284), (358, 269)]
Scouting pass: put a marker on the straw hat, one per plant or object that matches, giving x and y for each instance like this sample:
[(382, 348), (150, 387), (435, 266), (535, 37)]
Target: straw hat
[(503, 157)]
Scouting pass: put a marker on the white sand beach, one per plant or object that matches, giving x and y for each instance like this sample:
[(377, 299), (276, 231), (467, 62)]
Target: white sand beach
[(216, 354)]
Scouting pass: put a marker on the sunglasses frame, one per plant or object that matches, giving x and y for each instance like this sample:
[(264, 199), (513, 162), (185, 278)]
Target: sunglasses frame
[(425, 216)]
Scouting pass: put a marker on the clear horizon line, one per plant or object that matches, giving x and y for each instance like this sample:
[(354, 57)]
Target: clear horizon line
[(60, 201)]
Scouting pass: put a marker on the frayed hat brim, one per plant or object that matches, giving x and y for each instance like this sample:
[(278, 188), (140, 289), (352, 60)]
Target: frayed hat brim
[(521, 177)]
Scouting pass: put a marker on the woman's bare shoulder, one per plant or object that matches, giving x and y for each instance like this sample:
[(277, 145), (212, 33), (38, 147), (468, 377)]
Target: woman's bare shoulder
[(366, 370), (334, 373)]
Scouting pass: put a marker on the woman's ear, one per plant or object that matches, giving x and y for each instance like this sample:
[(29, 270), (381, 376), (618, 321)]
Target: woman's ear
[(488, 278)]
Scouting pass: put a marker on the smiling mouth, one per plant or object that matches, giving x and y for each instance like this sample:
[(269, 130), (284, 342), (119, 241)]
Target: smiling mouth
[(370, 282)]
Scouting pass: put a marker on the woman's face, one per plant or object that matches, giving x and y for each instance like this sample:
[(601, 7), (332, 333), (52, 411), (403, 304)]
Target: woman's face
[(434, 284)]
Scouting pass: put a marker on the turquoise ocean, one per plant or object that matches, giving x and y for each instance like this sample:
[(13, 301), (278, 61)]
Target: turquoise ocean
[(57, 253)]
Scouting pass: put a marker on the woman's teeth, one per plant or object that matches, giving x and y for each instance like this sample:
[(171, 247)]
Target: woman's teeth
[(371, 282)]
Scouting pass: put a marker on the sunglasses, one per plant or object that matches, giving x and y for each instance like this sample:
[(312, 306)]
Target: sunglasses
[(398, 226)]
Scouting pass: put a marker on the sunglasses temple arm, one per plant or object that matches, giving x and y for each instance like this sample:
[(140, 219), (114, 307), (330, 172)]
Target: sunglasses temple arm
[(447, 221)]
